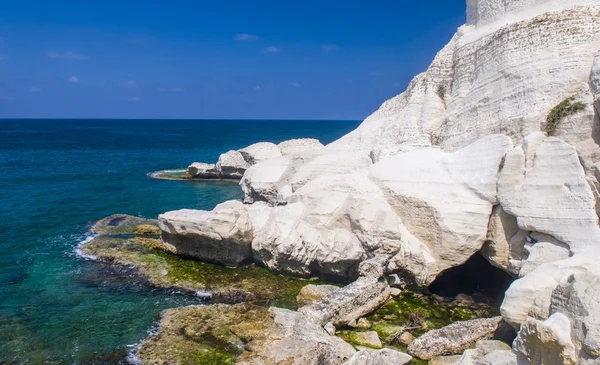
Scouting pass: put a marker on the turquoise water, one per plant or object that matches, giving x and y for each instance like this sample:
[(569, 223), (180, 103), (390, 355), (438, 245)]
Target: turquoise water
[(56, 179)]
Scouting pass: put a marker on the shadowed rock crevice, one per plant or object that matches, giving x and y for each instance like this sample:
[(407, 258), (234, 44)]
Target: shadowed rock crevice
[(476, 277)]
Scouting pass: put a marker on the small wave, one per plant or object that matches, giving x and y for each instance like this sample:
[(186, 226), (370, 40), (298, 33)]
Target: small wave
[(79, 252), (131, 354), (164, 174), (204, 296)]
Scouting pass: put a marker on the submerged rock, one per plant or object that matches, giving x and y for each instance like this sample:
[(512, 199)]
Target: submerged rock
[(203, 334), (369, 339), (454, 338), (312, 293)]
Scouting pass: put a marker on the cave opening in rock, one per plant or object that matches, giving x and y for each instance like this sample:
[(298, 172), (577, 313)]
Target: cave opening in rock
[(476, 278)]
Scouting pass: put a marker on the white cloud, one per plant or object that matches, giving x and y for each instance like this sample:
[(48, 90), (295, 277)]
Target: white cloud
[(134, 99), (257, 88), (73, 79), (245, 37), (131, 84), (8, 98), (296, 84), (178, 89), (272, 49), (67, 55), (34, 89), (375, 73), (330, 48)]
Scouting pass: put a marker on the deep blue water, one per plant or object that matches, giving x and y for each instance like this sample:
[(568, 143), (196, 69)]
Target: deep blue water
[(59, 176)]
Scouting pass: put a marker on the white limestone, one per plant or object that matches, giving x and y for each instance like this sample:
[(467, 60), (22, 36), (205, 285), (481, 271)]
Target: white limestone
[(544, 186), (231, 165), (200, 170), (445, 199), (261, 151), (300, 146), (546, 342), (457, 162), (328, 226), (222, 235)]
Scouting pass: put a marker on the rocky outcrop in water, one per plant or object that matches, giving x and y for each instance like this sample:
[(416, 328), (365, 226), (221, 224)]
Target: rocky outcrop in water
[(233, 164), (493, 149)]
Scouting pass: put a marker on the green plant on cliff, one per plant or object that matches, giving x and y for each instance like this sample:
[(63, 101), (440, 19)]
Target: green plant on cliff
[(566, 107)]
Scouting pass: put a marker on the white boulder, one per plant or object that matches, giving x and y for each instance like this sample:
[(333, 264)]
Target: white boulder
[(201, 170), (232, 165), (546, 342), (223, 235), (261, 151)]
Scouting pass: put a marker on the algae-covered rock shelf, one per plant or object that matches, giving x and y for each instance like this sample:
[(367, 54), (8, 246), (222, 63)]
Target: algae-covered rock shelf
[(245, 332), (126, 241)]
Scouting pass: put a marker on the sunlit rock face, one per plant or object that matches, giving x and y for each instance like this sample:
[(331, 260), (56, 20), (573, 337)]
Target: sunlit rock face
[(494, 149)]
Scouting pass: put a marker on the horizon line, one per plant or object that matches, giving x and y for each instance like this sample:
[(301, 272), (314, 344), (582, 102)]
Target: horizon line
[(194, 119)]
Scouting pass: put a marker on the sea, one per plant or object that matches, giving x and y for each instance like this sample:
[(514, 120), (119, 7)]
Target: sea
[(57, 177)]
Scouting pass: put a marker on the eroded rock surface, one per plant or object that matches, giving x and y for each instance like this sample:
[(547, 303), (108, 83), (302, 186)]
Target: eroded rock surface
[(455, 338), (546, 342), (492, 149), (380, 357), (299, 146), (294, 340), (232, 165), (223, 235), (349, 303), (200, 170)]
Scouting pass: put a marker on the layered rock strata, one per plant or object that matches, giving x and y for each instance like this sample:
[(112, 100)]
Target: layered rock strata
[(493, 149)]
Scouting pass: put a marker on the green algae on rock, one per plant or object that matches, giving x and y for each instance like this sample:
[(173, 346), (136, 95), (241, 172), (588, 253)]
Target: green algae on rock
[(211, 334), (417, 313), (178, 174), (118, 244)]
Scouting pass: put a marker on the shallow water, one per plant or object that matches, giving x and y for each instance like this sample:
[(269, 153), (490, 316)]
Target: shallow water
[(58, 177)]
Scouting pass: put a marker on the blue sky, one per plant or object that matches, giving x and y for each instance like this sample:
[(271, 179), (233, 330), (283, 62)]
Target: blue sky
[(273, 59)]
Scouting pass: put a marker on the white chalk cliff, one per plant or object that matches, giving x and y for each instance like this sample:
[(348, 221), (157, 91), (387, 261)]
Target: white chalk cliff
[(466, 160)]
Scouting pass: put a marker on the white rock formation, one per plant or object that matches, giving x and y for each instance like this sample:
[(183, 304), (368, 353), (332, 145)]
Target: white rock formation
[(261, 151), (543, 184), (223, 235), (232, 165), (300, 146), (201, 170), (445, 199), (457, 163), (546, 342)]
